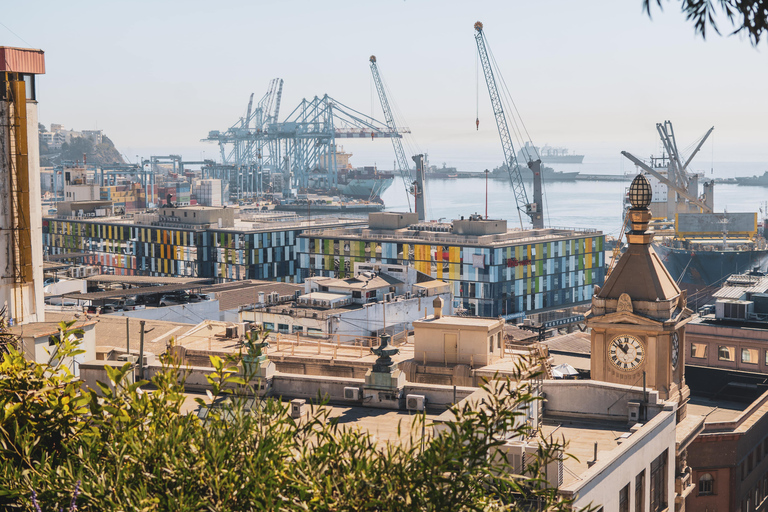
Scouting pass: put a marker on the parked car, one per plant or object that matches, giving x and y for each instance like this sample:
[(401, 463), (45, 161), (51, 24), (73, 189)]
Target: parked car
[(173, 300)]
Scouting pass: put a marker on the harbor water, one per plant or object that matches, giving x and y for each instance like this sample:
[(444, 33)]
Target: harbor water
[(578, 204)]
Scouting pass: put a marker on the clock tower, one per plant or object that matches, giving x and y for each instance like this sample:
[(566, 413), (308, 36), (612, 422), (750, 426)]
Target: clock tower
[(638, 317)]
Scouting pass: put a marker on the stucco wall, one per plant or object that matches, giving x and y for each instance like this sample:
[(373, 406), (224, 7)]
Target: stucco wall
[(472, 343)]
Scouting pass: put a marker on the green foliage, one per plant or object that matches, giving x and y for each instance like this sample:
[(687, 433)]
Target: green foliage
[(746, 16), (132, 448)]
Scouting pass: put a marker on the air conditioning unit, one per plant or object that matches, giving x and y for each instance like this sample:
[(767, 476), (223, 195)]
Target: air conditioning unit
[(351, 393), (415, 402), (128, 358), (231, 332)]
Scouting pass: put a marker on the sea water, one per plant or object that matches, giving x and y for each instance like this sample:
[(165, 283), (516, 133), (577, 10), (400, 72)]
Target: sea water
[(576, 204)]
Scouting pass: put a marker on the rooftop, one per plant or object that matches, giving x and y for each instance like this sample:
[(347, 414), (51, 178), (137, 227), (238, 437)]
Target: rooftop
[(111, 331), (581, 437), (510, 237), (461, 321), (40, 329)]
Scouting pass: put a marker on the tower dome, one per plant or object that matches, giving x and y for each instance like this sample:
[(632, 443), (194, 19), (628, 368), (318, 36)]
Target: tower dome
[(640, 193)]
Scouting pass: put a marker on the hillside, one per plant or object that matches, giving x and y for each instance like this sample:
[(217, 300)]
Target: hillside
[(96, 154)]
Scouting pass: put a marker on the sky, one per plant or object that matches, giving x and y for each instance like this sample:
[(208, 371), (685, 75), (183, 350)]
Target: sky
[(593, 75)]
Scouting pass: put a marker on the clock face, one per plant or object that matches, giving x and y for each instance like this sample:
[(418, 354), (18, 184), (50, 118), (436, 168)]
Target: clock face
[(675, 349), (626, 352)]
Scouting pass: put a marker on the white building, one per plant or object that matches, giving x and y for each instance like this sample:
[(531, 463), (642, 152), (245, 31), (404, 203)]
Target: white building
[(379, 296)]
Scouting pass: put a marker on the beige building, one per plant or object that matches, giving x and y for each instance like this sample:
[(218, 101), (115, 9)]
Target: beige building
[(453, 340)]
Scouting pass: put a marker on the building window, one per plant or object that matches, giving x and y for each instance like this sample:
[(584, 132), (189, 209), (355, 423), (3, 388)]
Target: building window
[(640, 491), (766, 357), (658, 483), (699, 350), (269, 326), (283, 328), (624, 499), (726, 353), (749, 355), (490, 344), (706, 484)]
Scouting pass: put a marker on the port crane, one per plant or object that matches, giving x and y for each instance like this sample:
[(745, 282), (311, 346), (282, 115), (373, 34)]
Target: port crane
[(397, 143), (678, 179), (534, 210)]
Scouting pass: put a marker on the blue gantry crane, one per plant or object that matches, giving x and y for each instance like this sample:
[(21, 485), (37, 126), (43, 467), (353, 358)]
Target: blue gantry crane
[(533, 210)]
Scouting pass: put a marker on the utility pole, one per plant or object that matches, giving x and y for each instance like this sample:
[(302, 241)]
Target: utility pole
[(141, 351)]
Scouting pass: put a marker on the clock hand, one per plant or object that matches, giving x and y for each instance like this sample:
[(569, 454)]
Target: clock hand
[(624, 348)]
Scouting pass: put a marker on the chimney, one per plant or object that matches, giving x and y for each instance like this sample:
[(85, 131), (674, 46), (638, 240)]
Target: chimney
[(438, 305)]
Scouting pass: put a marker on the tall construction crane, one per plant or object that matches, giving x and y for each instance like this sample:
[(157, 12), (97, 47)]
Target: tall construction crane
[(397, 143), (533, 210)]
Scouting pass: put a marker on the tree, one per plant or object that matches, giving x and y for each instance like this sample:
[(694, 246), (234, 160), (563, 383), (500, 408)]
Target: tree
[(133, 449), (76, 148), (745, 16)]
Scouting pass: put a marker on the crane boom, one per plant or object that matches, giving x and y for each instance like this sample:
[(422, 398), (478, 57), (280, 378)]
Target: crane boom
[(533, 210), (397, 143)]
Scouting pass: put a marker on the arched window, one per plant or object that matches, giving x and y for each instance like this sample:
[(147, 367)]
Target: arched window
[(706, 484)]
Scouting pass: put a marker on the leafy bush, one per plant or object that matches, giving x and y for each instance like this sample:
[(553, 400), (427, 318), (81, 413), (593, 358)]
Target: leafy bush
[(131, 448)]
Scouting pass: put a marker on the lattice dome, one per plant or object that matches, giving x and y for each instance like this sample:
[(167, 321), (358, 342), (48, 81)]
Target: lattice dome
[(640, 193)]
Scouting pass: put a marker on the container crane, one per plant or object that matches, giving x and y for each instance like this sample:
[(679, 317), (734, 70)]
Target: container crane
[(533, 210), (678, 179), (397, 143)]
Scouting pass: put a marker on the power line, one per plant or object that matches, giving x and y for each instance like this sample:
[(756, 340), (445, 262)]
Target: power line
[(14, 33)]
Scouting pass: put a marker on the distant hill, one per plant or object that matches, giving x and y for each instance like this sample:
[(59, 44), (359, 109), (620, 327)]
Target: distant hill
[(73, 151)]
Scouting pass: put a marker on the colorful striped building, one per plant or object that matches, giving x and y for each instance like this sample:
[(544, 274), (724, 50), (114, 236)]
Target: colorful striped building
[(492, 270), (190, 241)]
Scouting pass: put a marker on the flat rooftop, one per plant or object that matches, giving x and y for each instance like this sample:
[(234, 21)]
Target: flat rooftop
[(511, 237), (581, 437), (240, 224), (715, 410), (468, 321), (111, 331)]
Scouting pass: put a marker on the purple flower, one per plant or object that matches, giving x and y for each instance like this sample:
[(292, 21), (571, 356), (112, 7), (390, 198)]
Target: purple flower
[(73, 505), (34, 501)]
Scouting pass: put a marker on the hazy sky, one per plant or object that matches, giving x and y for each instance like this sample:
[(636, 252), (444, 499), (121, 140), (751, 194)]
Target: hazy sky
[(594, 76)]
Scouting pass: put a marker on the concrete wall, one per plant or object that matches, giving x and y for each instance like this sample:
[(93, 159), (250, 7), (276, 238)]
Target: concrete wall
[(184, 313), (479, 227), (595, 400), (67, 286), (391, 220)]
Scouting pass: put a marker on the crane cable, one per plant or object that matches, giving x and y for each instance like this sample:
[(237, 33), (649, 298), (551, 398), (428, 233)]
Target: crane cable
[(477, 92), (617, 248)]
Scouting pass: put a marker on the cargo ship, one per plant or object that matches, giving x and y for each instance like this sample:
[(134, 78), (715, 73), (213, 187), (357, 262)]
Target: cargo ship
[(699, 247), (441, 173), (548, 174), (755, 181), (366, 183), (548, 154)]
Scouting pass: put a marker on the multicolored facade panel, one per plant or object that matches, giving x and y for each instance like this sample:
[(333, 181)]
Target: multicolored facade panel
[(487, 281), (127, 249)]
